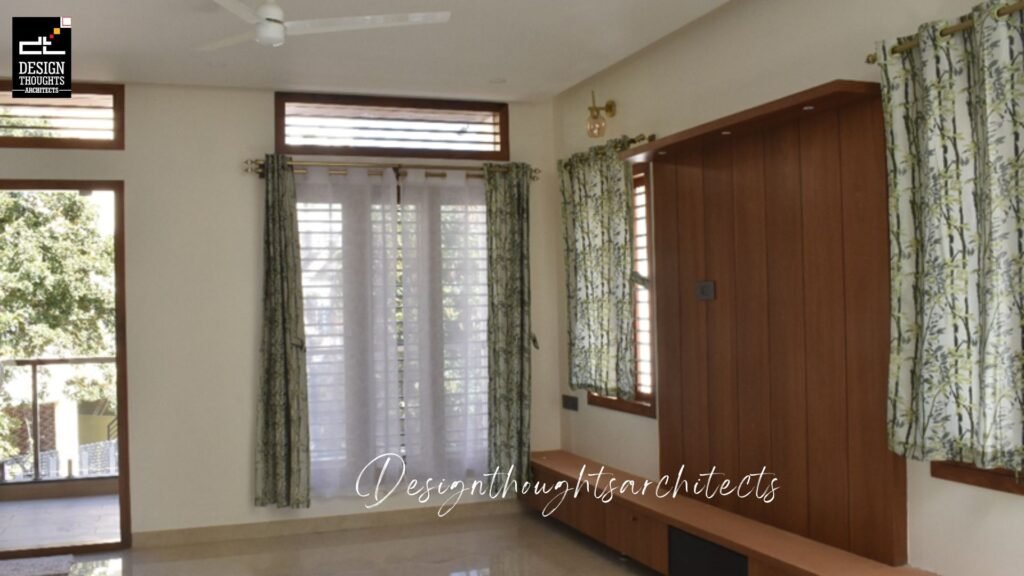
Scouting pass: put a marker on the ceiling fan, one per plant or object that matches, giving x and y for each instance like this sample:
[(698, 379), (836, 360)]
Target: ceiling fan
[(271, 28)]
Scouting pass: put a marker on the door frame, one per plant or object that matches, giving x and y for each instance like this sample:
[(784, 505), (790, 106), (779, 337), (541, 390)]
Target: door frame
[(120, 337)]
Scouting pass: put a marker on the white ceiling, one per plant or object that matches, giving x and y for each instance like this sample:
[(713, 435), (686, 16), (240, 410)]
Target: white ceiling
[(493, 49)]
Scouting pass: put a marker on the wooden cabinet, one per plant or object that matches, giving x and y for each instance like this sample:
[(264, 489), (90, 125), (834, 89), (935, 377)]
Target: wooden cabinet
[(639, 526), (638, 536), (617, 525)]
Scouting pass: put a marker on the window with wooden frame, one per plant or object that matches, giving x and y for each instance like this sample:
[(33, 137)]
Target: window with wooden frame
[(403, 127), (92, 118), (644, 402)]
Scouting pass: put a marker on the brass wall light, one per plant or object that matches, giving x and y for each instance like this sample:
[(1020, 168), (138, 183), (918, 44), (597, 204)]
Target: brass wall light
[(596, 122)]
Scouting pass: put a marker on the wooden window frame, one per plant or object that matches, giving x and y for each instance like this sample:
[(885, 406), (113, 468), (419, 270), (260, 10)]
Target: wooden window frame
[(644, 404), (282, 98), (121, 341), (115, 90), (999, 479)]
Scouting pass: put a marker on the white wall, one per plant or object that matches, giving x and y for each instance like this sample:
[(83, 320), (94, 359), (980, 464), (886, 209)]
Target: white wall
[(960, 530), (746, 53), (193, 249), (193, 224), (532, 140)]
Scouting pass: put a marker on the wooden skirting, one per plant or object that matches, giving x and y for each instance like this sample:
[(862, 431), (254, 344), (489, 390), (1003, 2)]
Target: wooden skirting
[(275, 529), (58, 489)]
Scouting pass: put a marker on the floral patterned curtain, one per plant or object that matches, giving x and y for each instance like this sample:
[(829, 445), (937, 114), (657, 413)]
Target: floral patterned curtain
[(597, 220), (508, 317), (282, 433), (954, 111)]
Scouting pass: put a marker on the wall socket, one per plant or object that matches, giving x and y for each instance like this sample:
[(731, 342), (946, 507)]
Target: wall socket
[(570, 402), (705, 290)]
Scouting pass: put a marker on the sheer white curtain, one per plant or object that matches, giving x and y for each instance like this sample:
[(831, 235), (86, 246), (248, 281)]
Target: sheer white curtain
[(396, 318), (446, 292)]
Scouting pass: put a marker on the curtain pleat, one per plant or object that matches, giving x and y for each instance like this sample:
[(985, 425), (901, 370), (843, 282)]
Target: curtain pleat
[(508, 325), (282, 445), (597, 215), (954, 111)]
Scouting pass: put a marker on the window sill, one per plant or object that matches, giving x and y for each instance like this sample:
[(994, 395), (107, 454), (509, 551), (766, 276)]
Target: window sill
[(1001, 480), (629, 406)]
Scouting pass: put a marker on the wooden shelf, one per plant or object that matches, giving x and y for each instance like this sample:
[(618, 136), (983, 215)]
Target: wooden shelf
[(772, 550), (823, 97)]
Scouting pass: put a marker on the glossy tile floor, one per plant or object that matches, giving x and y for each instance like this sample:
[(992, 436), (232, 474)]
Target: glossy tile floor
[(59, 522), (502, 545)]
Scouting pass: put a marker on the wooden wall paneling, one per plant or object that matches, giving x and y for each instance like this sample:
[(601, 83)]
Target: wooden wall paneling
[(784, 235), (787, 367), (665, 253), (692, 318), (825, 321), (752, 360), (877, 477), (720, 266)]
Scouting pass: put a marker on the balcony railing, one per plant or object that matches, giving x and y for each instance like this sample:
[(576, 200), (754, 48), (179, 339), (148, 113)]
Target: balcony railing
[(96, 458)]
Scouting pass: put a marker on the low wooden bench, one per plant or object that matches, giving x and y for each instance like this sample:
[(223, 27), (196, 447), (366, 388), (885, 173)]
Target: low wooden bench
[(637, 526)]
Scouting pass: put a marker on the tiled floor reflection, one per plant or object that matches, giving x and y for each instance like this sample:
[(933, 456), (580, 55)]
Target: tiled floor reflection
[(502, 545), (98, 567), (59, 522)]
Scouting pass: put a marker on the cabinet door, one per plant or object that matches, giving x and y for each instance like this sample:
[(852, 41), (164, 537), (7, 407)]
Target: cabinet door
[(640, 537), (588, 515), (564, 512)]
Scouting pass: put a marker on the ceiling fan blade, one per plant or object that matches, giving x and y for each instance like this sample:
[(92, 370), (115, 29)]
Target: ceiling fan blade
[(229, 41), (240, 9), (322, 25)]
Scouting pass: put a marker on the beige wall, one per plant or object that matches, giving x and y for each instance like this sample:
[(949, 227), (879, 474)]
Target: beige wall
[(193, 235), (193, 261), (532, 140), (960, 530), (744, 54)]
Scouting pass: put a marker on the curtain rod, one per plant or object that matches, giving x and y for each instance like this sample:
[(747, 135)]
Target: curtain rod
[(375, 168), (255, 166), (947, 31)]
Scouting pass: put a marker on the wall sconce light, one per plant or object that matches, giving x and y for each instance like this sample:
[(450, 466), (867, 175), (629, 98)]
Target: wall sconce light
[(596, 122)]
